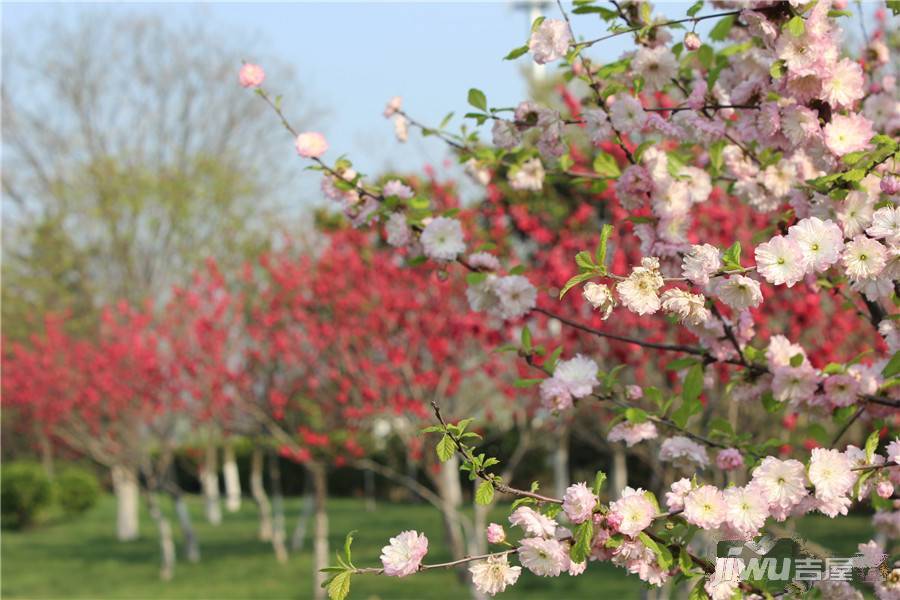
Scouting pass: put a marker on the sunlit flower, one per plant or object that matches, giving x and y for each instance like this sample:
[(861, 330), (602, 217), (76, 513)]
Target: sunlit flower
[(493, 575), (404, 554)]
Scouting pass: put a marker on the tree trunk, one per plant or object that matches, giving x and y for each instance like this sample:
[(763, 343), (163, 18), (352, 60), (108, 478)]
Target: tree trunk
[(209, 478), (306, 509), (450, 491), (46, 453), (561, 463), (369, 490), (279, 534), (258, 490), (619, 469), (232, 480), (125, 488), (320, 538), (191, 546), (166, 544)]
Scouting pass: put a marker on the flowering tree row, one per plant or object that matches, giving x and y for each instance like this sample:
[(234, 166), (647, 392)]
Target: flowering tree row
[(768, 121)]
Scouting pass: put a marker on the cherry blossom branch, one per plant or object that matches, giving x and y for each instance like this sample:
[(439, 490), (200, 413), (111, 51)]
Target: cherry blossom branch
[(466, 454), (695, 20), (626, 339), (444, 565)]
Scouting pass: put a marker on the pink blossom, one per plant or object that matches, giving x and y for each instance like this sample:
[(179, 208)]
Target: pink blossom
[(884, 488), (543, 557), (579, 502), (846, 134), (404, 554), (705, 507), (632, 433), (685, 451), (392, 106), (633, 511), (311, 144), (729, 459), (251, 75), (496, 534), (675, 497), (533, 522), (691, 41), (550, 41)]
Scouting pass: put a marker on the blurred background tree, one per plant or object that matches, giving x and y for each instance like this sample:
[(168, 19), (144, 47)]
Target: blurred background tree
[(129, 155)]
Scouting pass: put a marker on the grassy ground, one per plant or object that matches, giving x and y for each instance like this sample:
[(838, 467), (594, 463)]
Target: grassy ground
[(80, 558)]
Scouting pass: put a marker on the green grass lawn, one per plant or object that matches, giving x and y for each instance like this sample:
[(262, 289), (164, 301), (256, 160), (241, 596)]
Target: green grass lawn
[(80, 558)]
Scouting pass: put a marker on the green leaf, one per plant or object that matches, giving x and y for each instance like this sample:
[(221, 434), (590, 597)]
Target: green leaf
[(777, 69), (601, 252), (524, 383), (663, 555), (485, 493), (339, 586), (705, 55), (537, 23), (693, 384), (771, 404), (475, 278), (583, 259), (599, 480), (893, 366), (526, 338), (720, 31), (635, 415), (871, 446), (584, 534), (477, 99), (795, 26), (681, 363), (605, 165), (695, 8), (445, 448), (797, 360), (348, 541), (581, 277), (516, 52), (732, 256)]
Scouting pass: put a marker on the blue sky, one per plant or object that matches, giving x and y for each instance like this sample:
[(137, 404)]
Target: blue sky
[(352, 57)]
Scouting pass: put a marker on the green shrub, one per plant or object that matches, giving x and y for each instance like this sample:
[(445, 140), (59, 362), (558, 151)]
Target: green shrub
[(77, 490), (24, 491)]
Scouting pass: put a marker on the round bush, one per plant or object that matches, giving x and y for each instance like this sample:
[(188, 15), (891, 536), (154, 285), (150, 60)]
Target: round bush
[(25, 491), (77, 490)]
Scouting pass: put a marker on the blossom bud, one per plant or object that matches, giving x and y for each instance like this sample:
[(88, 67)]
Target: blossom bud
[(692, 41), (311, 144), (600, 297), (251, 75), (729, 459), (393, 106), (496, 534), (890, 185), (885, 488), (634, 392)]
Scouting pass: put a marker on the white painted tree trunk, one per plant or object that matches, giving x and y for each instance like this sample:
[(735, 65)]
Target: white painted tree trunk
[(232, 480), (450, 491), (258, 491), (209, 479), (125, 488), (320, 536), (561, 463), (619, 470), (298, 539), (279, 533), (191, 546), (166, 543)]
